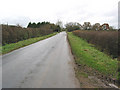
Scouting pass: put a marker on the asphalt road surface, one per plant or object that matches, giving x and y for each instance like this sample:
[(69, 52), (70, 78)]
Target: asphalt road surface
[(45, 64)]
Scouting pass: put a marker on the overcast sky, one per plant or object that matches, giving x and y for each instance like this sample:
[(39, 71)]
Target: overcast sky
[(23, 11)]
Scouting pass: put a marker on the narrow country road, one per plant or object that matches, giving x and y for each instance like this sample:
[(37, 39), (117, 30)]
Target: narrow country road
[(45, 64)]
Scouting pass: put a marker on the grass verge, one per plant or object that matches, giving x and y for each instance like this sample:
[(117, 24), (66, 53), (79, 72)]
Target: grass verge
[(87, 55), (13, 46)]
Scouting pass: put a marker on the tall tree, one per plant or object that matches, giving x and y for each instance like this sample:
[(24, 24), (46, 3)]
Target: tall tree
[(29, 25)]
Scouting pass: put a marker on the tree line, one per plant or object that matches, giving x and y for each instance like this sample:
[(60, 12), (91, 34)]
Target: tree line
[(13, 34), (56, 28), (72, 26)]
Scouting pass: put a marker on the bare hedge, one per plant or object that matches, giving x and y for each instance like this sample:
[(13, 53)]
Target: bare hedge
[(106, 41), (12, 34)]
